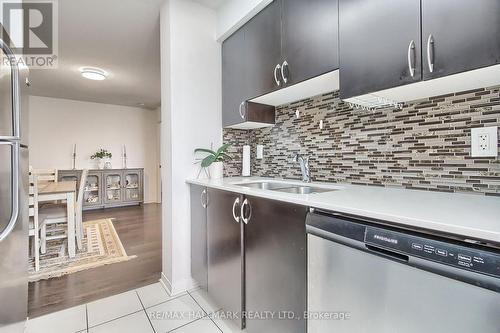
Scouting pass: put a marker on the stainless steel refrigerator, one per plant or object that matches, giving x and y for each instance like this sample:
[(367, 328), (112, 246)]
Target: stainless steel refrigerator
[(13, 195)]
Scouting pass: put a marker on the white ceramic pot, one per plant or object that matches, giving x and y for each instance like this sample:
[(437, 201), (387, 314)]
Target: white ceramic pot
[(216, 170), (98, 163)]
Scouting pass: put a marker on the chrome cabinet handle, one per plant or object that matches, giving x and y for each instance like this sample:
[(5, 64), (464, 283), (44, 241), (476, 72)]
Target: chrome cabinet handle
[(411, 53), (285, 64), (15, 190), (243, 218), (242, 114), (204, 202), (276, 79), (430, 57), (236, 202)]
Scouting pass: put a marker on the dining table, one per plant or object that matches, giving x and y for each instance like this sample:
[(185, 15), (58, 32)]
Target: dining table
[(64, 190)]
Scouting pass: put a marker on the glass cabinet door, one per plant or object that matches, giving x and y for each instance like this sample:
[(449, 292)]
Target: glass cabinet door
[(69, 178), (132, 186), (72, 176), (113, 183), (92, 191)]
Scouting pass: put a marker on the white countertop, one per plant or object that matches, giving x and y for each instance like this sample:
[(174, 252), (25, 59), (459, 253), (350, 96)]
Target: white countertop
[(465, 215)]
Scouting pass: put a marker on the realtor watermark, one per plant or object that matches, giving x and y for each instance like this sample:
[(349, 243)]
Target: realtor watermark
[(30, 29), (251, 315)]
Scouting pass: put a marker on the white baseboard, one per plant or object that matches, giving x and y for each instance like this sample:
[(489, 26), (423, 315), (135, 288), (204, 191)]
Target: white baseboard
[(166, 283), (178, 288), (152, 202)]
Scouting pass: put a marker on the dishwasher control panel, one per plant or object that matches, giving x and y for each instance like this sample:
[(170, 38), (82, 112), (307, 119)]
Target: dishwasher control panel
[(484, 262)]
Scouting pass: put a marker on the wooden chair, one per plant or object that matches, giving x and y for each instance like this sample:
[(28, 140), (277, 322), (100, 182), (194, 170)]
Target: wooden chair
[(57, 214), (34, 225), (45, 175)]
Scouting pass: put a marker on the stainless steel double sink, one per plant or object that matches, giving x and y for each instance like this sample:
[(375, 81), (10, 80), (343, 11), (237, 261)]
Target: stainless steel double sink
[(286, 187)]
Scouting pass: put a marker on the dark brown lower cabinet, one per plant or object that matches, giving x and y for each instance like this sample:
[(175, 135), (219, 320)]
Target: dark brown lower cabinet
[(199, 256), (257, 261), (225, 252), (275, 254)]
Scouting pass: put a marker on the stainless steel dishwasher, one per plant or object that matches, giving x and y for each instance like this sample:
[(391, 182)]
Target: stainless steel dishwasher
[(364, 277)]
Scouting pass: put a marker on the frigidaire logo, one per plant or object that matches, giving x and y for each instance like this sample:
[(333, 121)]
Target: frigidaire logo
[(386, 239), (30, 29)]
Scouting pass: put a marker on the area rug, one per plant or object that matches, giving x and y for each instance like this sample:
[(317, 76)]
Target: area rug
[(101, 246)]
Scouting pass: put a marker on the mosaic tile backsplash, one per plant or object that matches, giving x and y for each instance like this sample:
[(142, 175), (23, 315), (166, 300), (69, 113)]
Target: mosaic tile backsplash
[(425, 145)]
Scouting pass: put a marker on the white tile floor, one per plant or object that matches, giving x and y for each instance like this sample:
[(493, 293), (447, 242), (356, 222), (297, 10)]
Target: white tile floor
[(149, 309)]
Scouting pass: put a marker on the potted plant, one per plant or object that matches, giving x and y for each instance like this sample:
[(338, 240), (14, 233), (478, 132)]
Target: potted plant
[(102, 156), (214, 160)]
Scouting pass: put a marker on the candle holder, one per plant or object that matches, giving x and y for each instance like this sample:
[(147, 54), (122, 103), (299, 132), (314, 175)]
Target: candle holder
[(124, 161), (73, 157), (124, 157)]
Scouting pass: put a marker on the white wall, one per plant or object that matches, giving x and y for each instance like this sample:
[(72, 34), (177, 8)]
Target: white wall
[(56, 124), (191, 118), (235, 13)]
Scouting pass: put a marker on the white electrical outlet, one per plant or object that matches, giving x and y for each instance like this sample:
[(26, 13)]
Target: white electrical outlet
[(484, 142)]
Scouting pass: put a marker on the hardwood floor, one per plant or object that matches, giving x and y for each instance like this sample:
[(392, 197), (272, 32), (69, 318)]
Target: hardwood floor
[(139, 228)]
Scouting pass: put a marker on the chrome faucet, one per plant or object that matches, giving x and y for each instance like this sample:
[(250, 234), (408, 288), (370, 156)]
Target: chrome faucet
[(304, 167)]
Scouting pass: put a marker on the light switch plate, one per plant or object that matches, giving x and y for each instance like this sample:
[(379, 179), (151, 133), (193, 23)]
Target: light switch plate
[(260, 152), (484, 142)]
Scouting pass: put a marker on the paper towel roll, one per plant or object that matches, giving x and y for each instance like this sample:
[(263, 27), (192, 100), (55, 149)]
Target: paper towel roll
[(246, 161)]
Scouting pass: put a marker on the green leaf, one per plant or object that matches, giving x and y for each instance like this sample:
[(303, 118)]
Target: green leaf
[(226, 156), (223, 148), (207, 161), (203, 150)]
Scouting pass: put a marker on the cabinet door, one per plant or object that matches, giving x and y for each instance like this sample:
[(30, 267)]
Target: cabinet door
[(310, 38), (113, 184), (73, 175), (199, 202), (132, 189), (92, 192), (275, 255), (233, 78), (263, 50), (225, 261), (459, 35), (376, 45)]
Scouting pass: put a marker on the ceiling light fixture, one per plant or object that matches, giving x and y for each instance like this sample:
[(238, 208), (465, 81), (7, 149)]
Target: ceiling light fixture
[(93, 73)]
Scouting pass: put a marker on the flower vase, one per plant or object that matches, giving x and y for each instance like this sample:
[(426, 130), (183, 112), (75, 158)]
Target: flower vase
[(107, 163)]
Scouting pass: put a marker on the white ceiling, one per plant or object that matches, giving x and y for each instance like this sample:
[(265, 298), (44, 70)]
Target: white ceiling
[(212, 3), (119, 36)]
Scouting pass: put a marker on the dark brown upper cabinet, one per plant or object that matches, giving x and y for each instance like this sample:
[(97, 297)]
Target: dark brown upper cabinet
[(309, 39), (234, 85), (390, 43), (288, 42), (248, 56), (263, 50), (459, 35), (379, 45)]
